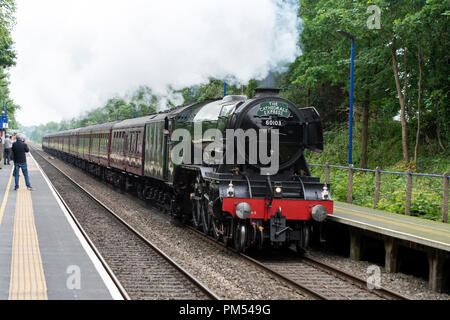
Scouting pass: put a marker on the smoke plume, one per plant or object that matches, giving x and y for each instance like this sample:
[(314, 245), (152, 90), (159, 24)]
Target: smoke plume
[(73, 55)]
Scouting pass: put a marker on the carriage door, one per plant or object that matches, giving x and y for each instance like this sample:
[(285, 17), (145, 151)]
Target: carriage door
[(166, 157), (124, 150)]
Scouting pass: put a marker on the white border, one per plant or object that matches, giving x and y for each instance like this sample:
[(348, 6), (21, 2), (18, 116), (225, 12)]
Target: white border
[(112, 288)]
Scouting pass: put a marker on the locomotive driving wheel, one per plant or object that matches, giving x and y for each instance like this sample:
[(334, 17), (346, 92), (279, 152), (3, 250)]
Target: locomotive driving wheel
[(240, 236), (205, 216), (196, 202), (222, 230), (303, 244), (216, 228)]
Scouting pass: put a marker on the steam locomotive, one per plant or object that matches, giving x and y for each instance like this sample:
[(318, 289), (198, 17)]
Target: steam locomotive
[(199, 162)]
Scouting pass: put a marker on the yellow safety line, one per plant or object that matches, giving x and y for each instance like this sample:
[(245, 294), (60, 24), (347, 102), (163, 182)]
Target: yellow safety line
[(445, 234), (27, 281), (5, 197)]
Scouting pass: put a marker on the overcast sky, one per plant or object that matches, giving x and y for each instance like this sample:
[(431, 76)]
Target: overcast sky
[(74, 55)]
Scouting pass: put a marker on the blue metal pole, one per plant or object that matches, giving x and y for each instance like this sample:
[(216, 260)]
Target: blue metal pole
[(270, 79), (6, 115), (351, 105), (117, 116), (2, 117), (224, 88), (190, 95), (137, 111)]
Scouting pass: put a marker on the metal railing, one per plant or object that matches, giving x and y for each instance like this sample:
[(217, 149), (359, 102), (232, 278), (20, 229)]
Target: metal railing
[(417, 190)]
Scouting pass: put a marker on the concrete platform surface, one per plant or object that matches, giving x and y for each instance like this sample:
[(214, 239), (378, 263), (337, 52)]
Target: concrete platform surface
[(43, 254), (426, 232)]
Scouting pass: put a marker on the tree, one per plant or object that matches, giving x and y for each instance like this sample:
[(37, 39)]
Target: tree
[(7, 21), (387, 67), (7, 56), (325, 62), (214, 89), (424, 33)]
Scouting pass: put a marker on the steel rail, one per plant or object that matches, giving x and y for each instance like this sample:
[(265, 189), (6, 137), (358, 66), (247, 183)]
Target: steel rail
[(260, 265), (343, 275), (381, 292), (189, 276)]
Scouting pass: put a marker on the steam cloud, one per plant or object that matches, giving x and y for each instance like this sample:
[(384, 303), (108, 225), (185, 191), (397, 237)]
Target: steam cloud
[(73, 55)]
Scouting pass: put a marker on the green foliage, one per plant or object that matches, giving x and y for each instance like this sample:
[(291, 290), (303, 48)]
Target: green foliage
[(7, 57), (7, 21), (384, 148), (426, 201), (214, 89), (385, 152), (320, 77)]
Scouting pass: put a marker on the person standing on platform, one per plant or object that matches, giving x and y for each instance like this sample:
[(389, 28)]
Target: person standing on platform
[(8, 149), (19, 149)]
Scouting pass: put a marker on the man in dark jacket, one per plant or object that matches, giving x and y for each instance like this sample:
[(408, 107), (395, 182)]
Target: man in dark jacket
[(20, 148)]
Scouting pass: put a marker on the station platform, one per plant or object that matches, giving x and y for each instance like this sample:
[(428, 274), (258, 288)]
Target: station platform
[(397, 231), (43, 255), (428, 233)]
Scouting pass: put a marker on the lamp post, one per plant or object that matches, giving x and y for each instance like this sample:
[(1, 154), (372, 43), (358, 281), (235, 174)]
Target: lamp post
[(351, 37), (3, 119)]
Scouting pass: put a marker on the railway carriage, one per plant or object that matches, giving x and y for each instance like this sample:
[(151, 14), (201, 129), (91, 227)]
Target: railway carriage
[(126, 151), (237, 200)]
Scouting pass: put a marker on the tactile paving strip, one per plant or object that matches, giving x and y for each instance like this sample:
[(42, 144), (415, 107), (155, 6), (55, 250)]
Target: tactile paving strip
[(27, 280)]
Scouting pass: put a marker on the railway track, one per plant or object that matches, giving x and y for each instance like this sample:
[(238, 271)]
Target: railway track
[(325, 280), (139, 268), (317, 278), (312, 276)]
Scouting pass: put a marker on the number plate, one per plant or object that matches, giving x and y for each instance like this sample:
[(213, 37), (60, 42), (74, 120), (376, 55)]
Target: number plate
[(274, 123)]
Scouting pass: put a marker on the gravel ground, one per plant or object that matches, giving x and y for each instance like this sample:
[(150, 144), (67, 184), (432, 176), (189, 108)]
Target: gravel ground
[(218, 268), (227, 274), (407, 285)]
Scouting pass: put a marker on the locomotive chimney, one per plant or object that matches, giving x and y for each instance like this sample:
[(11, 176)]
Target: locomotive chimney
[(267, 92)]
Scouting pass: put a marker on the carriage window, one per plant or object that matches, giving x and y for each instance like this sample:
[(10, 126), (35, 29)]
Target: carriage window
[(131, 146), (137, 146), (227, 110), (208, 112)]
